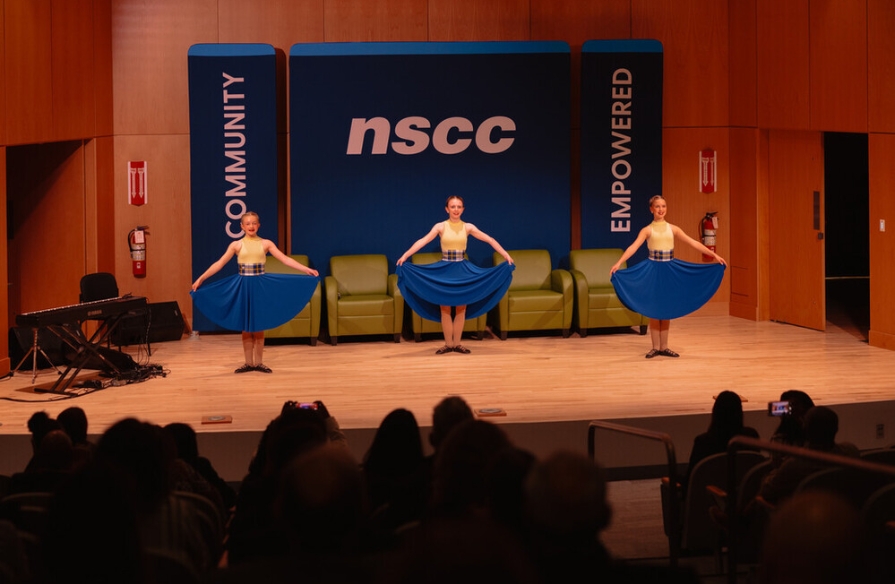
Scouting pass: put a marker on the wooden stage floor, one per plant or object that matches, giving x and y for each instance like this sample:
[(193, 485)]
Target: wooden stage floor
[(548, 387)]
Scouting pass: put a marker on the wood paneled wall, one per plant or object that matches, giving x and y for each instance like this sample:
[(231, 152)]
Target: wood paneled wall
[(882, 243), (115, 75), (4, 263), (880, 65), (783, 66), (838, 65)]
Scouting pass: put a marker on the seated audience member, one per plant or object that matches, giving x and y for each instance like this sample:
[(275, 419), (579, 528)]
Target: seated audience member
[(49, 467), (188, 451), (92, 532), (254, 531), (40, 424), (449, 413), (395, 473), (790, 430), (74, 422), (821, 425), (814, 537), (448, 550), (463, 469), (726, 422), (567, 512), (318, 509), (142, 453)]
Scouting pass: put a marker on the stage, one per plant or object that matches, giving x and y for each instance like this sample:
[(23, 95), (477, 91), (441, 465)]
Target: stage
[(547, 387)]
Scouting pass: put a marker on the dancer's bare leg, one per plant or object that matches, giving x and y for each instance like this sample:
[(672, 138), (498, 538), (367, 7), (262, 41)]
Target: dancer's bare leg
[(459, 321), (248, 347), (258, 347), (447, 326)]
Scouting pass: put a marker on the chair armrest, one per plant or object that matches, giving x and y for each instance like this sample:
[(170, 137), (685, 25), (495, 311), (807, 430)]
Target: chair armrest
[(581, 297), (561, 281), (331, 285), (718, 494), (315, 304), (395, 293), (763, 503)]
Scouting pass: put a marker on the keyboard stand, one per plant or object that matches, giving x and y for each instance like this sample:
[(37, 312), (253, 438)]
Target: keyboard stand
[(84, 350), (32, 352)]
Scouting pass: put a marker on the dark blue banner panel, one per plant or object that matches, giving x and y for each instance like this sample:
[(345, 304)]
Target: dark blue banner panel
[(621, 140), (383, 133), (233, 150)]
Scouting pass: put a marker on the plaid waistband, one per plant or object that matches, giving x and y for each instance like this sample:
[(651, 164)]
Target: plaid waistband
[(251, 269), (452, 255), (661, 256)]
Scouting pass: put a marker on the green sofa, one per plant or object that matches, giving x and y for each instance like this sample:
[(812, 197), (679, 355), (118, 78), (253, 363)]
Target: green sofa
[(362, 298), (539, 298), (305, 324), (596, 303), (421, 326)]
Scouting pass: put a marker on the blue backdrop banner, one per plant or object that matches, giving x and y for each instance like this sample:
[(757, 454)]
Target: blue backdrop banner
[(621, 140), (233, 150), (382, 133)]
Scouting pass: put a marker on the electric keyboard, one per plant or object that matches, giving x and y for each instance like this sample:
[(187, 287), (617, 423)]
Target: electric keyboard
[(76, 313)]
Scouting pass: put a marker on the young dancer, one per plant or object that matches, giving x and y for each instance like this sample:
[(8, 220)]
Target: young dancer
[(665, 288), (432, 290), (252, 301)]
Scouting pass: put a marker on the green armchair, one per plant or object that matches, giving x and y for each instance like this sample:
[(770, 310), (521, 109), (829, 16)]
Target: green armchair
[(307, 322), (362, 298), (596, 303), (421, 326), (539, 298)]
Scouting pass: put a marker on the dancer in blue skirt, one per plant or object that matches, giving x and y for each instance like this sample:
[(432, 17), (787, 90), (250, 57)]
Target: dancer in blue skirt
[(253, 301), (665, 288), (454, 282)]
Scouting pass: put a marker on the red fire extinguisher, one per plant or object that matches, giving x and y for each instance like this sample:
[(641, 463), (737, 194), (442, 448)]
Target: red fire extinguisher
[(708, 230), (136, 241)]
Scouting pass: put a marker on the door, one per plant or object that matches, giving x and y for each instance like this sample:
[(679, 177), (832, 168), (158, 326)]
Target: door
[(795, 228)]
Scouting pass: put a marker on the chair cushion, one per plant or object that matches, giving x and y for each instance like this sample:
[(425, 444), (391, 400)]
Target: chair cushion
[(602, 299), (535, 301), (360, 274), (368, 305)]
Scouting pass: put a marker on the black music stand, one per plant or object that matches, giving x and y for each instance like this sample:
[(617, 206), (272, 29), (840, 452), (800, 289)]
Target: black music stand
[(32, 352)]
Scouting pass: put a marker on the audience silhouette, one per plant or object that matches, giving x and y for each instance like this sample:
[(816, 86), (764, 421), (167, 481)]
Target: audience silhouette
[(136, 509)]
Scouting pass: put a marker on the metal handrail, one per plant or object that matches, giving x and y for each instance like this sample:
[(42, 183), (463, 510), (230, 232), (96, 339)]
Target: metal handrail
[(674, 537), (741, 442)]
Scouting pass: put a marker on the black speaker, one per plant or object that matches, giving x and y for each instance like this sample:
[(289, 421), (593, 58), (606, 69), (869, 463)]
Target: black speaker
[(21, 339), (162, 322), (166, 323)]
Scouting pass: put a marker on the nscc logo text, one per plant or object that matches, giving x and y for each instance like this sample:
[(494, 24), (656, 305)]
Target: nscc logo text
[(450, 136)]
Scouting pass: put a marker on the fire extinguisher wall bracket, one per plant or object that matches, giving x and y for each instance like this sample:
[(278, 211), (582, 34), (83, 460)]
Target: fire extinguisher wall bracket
[(136, 242), (708, 233)]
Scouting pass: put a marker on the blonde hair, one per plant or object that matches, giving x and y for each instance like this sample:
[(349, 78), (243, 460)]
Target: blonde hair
[(250, 214), (653, 199)]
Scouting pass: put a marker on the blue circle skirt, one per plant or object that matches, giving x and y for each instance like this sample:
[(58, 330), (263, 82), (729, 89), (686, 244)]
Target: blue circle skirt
[(428, 287), (667, 290), (254, 303)]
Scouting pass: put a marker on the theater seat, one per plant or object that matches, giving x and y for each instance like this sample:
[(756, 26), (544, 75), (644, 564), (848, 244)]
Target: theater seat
[(362, 298), (539, 298)]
